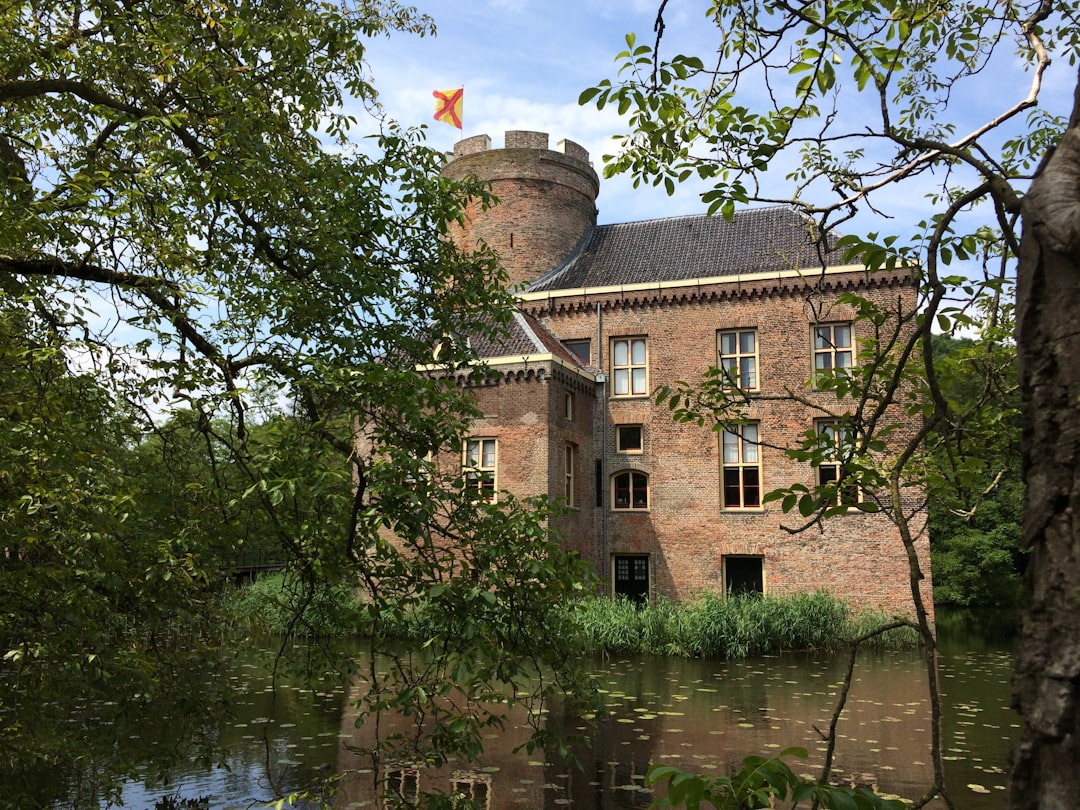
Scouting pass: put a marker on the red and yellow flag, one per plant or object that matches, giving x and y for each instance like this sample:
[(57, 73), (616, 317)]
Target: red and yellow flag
[(448, 106)]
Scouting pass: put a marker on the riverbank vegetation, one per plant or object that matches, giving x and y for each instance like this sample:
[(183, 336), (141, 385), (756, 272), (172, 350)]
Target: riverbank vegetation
[(280, 605), (712, 626), (707, 626)]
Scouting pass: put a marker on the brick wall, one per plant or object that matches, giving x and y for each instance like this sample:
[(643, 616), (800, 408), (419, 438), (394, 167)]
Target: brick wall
[(524, 408), (686, 533)]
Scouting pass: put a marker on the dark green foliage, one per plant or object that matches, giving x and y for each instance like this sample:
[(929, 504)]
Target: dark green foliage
[(710, 625), (977, 492), (279, 604), (979, 561), (759, 783), (225, 298), (102, 624)]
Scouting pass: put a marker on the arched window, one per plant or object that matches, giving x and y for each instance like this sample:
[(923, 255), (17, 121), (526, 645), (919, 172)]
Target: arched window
[(630, 490)]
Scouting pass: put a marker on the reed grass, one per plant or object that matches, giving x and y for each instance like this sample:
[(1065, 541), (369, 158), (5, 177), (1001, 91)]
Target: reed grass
[(713, 626), (709, 625)]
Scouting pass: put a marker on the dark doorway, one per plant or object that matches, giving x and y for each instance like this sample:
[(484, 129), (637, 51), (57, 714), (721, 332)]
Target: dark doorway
[(632, 578), (743, 575)]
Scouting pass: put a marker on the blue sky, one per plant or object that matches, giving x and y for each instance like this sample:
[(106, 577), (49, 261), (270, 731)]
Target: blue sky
[(523, 64)]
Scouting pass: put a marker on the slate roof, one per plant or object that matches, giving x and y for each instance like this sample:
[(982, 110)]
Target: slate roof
[(756, 240), (525, 336)]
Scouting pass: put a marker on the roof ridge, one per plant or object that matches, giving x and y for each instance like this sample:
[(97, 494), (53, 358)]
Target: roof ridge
[(703, 215), (529, 331), (677, 248)]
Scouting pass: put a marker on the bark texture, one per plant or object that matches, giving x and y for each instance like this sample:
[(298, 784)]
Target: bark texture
[(1046, 762)]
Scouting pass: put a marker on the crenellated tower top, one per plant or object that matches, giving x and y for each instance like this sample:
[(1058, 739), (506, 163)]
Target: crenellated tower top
[(547, 199)]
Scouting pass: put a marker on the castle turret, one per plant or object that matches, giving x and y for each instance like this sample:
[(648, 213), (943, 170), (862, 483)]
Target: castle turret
[(547, 199)]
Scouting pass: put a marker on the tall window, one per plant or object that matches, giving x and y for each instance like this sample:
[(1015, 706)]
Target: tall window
[(737, 356), (632, 577), (569, 460), (741, 467), (832, 347), (479, 467), (629, 370), (840, 440), (630, 490), (403, 785)]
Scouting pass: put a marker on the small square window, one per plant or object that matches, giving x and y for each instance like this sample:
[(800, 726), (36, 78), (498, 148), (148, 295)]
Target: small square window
[(743, 575), (474, 787), (628, 438), (403, 785)]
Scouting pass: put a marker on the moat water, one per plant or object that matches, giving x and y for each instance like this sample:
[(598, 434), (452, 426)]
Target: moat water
[(700, 715)]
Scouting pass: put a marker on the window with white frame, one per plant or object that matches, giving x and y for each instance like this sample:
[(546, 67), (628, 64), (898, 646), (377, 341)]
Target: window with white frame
[(833, 347), (569, 462), (628, 438), (737, 357), (741, 467), (479, 467), (568, 405), (630, 490), (839, 439), (629, 367)]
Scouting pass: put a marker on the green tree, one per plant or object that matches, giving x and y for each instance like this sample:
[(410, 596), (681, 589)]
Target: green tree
[(92, 608), (860, 104), (192, 225), (974, 466)]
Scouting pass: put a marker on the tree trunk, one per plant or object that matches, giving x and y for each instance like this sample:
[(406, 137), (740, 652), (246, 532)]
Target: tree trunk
[(1045, 766)]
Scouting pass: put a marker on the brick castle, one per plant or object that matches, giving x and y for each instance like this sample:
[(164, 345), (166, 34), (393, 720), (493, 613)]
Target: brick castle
[(608, 313)]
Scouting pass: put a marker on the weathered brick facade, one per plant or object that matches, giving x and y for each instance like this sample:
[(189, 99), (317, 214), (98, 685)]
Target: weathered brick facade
[(675, 284)]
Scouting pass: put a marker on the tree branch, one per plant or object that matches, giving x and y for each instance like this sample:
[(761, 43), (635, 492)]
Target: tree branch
[(30, 88)]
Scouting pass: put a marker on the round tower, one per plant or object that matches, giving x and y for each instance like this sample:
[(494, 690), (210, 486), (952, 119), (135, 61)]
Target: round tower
[(547, 200)]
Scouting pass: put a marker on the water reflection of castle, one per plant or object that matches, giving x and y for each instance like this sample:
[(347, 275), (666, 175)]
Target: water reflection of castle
[(704, 716), (506, 777)]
